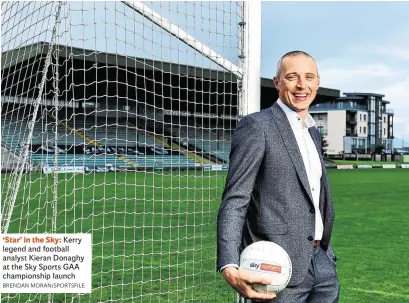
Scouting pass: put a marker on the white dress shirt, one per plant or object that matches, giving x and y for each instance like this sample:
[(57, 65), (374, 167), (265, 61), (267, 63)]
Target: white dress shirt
[(311, 161)]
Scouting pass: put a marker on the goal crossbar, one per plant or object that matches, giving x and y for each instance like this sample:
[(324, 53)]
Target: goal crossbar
[(182, 35)]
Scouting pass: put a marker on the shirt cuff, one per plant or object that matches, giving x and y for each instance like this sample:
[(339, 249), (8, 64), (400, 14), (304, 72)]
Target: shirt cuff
[(229, 265)]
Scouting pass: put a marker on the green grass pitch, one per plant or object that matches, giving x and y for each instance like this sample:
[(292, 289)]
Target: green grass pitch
[(154, 233)]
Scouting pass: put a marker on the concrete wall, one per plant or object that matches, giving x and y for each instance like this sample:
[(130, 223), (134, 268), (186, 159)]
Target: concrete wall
[(384, 126), (321, 119), (362, 124), (336, 129)]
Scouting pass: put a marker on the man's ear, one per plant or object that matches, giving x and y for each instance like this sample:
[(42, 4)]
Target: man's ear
[(319, 80), (276, 82)]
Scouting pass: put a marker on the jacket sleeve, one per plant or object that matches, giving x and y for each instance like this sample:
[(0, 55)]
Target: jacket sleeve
[(246, 157)]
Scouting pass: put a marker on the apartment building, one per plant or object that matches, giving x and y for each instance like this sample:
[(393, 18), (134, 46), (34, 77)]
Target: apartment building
[(355, 123)]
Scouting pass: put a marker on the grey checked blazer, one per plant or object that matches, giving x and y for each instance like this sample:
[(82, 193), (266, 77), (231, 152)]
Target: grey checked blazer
[(267, 195)]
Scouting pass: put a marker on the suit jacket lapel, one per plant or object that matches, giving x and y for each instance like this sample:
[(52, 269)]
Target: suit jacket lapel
[(291, 145), (325, 192), (315, 135)]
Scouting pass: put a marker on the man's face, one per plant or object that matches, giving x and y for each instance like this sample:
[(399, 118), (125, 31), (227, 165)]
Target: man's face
[(298, 83)]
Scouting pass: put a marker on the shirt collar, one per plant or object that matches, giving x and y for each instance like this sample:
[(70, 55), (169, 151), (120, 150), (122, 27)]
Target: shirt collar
[(294, 118)]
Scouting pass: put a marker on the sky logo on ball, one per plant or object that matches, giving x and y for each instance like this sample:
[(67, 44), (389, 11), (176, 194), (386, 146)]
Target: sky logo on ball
[(254, 265)]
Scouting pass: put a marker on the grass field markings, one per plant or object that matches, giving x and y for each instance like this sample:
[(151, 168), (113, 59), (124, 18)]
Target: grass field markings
[(378, 292), (159, 231)]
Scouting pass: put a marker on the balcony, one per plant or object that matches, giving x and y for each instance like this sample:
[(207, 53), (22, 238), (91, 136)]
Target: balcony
[(338, 106), (351, 120)]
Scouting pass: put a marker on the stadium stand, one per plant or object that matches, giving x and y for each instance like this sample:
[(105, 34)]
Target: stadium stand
[(203, 141), (90, 141)]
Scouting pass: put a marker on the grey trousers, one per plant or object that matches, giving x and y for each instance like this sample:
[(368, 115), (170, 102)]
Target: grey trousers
[(319, 286)]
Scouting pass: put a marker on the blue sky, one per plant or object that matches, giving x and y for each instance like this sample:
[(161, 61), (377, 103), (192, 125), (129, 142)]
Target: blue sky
[(359, 46)]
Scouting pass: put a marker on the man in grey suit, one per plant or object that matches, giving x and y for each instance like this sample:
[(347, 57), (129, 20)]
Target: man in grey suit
[(277, 190)]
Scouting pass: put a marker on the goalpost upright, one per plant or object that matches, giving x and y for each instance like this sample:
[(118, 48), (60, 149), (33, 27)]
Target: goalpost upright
[(251, 59)]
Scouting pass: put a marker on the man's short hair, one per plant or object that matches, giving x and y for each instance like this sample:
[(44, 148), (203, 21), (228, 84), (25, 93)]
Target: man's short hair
[(291, 54)]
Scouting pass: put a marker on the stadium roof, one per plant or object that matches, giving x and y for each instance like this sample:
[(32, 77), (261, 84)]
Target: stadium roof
[(34, 53), (361, 96), (364, 94)]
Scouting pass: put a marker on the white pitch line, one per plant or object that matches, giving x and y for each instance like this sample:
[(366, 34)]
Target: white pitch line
[(379, 292)]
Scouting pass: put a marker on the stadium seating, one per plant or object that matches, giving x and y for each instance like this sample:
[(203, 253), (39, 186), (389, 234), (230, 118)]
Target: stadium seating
[(94, 133), (204, 140), (106, 132), (14, 130)]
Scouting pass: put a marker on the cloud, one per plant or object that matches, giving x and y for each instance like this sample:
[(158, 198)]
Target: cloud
[(350, 71), (398, 53), (397, 93), (359, 78)]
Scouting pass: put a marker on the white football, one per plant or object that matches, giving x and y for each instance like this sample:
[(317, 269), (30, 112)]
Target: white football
[(269, 260)]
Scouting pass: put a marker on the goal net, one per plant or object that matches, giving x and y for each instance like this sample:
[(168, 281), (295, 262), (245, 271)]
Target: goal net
[(116, 120)]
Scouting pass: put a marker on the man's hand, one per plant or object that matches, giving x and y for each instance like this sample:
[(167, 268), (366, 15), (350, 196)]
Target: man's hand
[(241, 280)]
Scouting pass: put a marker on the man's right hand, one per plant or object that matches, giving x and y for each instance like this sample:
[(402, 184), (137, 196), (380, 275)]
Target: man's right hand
[(241, 280)]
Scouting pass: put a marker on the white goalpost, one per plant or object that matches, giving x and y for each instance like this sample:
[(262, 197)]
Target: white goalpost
[(116, 121)]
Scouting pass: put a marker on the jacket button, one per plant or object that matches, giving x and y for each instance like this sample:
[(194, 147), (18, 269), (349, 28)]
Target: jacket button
[(312, 210), (310, 238)]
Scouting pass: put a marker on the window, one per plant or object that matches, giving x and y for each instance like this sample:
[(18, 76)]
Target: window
[(384, 119), (360, 117), (360, 129), (365, 118), (364, 129), (319, 116), (384, 131)]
